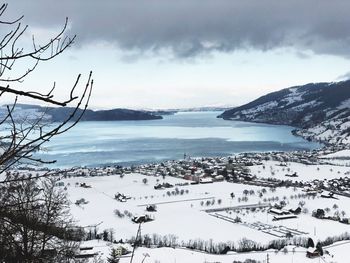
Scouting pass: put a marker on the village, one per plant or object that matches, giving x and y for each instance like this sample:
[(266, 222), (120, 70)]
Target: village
[(267, 200)]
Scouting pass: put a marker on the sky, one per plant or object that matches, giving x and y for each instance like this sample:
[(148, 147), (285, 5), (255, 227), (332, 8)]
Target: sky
[(187, 53)]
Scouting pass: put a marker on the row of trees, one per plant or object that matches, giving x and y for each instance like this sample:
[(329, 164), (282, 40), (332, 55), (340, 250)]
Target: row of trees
[(243, 245)]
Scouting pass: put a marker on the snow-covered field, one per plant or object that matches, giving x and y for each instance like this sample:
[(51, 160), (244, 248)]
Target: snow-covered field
[(339, 154), (273, 169), (337, 254), (291, 254), (183, 215), (181, 212)]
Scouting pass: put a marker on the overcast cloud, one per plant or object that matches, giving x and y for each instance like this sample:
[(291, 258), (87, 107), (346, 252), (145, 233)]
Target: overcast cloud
[(189, 28)]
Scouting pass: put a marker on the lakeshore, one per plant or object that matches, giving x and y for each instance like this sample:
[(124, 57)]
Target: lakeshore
[(196, 134)]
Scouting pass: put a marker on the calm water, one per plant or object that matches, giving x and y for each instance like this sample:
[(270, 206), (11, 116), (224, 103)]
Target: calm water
[(194, 133)]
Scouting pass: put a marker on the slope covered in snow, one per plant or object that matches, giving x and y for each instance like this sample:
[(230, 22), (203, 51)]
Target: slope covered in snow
[(320, 110)]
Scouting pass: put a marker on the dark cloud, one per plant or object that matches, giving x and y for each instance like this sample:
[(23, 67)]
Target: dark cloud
[(188, 28)]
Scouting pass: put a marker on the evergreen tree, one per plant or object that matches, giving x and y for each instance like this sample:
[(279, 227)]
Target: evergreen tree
[(113, 257), (319, 248), (310, 242), (105, 235)]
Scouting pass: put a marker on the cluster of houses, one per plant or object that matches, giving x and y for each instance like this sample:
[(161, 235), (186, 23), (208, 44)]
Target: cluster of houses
[(96, 171), (281, 213), (233, 169), (200, 170), (211, 169), (90, 252), (329, 187), (305, 157)]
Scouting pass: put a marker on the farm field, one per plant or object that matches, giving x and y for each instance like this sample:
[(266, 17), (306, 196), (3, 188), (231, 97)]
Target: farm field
[(273, 169), (205, 211)]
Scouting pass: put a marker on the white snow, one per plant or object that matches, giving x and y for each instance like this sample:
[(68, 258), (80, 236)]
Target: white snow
[(262, 107), (183, 215), (339, 154), (344, 104)]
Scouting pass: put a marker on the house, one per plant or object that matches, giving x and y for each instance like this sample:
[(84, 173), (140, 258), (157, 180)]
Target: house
[(158, 186), (141, 219), (59, 184), (326, 194), (345, 221), (310, 190), (278, 211), (86, 255), (120, 197), (81, 201), (292, 175), (206, 180), (86, 252), (312, 252), (247, 177), (84, 185), (283, 217), (219, 178), (121, 251), (151, 208), (295, 211), (167, 185)]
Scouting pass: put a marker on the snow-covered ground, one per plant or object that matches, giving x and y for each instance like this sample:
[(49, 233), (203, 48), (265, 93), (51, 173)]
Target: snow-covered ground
[(273, 169), (337, 254), (181, 212), (291, 254), (339, 154), (182, 215)]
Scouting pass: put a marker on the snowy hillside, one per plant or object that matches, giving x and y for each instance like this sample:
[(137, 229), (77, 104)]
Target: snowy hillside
[(320, 110)]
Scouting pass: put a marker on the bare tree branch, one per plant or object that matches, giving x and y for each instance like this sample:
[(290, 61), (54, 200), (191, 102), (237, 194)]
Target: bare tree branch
[(33, 214)]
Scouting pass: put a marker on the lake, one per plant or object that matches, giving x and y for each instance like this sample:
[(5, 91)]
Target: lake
[(194, 133)]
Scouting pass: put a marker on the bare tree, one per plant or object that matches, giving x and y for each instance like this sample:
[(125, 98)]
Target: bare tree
[(35, 222), (20, 140), (34, 214)]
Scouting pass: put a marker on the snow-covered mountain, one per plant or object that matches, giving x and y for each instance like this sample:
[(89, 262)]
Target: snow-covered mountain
[(321, 111)]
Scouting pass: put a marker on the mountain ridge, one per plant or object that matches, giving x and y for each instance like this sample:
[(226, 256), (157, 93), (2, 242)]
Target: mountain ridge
[(319, 111), (60, 114)]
